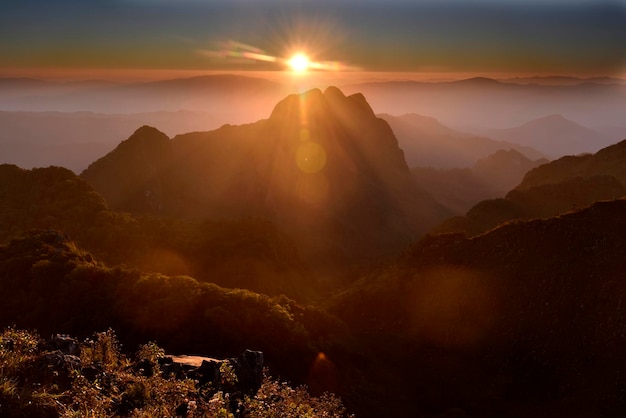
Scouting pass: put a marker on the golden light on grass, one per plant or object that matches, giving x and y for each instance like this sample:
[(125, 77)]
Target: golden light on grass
[(299, 62)]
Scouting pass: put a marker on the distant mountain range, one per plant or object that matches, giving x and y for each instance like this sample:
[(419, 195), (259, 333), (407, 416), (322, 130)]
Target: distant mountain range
[(592, 109), (552, 135), (428, 143), (483, 102), (562, 80), (569, 183), (234, 99), (490, 177)]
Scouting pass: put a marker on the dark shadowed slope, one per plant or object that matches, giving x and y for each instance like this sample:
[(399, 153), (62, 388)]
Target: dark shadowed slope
[(247, 253), (525, 320), (323, 167), (51, 284)]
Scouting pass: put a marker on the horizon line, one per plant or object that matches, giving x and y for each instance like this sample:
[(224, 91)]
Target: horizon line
[(148, 75)]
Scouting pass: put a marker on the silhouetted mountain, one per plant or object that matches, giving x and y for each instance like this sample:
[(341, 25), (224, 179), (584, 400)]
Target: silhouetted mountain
[(536, 202), (504, 170), (519, 321), (491, 177), (247, 253), (608, 161), (74, 140), (458, 189), (322, 167), (554, 135), (428, 143)]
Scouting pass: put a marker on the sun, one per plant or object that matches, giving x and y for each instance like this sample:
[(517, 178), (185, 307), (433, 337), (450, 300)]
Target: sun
[(299, 62)]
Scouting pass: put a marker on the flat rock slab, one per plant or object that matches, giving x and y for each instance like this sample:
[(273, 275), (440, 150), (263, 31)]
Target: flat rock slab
[(195, 361)]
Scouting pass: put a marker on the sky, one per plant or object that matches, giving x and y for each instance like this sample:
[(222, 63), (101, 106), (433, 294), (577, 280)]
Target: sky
[(577, 37)]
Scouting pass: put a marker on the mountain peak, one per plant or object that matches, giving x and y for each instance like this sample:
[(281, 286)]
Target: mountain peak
[(554, 121), (331, 101), (478, 81), (148, 132), (333, 92)]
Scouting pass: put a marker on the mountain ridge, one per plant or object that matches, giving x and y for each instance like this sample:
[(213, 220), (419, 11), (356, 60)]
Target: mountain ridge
[(322, 167)]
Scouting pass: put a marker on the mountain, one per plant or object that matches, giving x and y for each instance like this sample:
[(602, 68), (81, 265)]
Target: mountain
[(428, 143), (551, 189), (535, 203), (608, 161), (490, 103), (245, 253), (524, 320), (323, 168), (74, 140), (554, 135), (504, 169), (491, 177)]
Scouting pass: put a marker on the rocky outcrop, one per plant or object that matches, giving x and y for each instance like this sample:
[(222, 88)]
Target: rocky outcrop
[(242, 375)]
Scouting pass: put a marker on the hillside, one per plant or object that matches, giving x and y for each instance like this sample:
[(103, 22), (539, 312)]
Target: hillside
[(524, 319), (323, 168), (608, 161), (52, 285), (246, 253), (62, 376)]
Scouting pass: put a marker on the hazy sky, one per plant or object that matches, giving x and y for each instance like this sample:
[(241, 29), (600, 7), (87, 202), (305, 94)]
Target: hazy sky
[(584, 37)]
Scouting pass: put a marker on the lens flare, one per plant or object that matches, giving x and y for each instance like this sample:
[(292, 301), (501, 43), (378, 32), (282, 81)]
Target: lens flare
[(241, 53), (310, 157)]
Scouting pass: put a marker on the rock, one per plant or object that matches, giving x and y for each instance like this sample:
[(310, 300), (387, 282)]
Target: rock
[(63, 343), (208, 373), (248, 369), (60, 367)]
